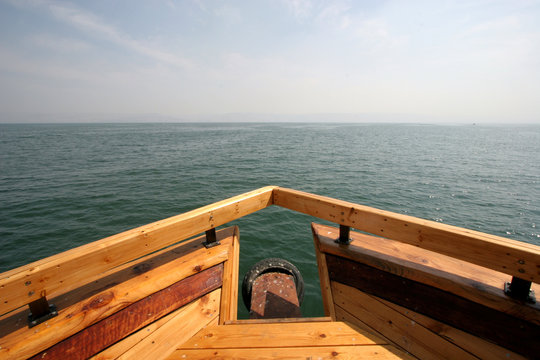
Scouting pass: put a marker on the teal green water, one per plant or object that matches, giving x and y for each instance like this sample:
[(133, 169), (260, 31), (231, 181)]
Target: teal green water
[(62, 186)]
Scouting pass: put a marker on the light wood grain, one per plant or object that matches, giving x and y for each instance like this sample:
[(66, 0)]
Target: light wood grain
[(473, 282), (516, 334), (187, 322), (326, 290), (63, 272), (276, 335), (379, 352), (408, 335), (508, 256), (114, 351), (25, 342), (476, 346), (229, 300)]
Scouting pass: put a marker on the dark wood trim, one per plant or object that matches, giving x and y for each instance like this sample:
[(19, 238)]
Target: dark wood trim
[(515, 334), (106, 332)]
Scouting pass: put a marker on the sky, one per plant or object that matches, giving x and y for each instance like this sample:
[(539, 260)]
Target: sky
[(392, 61)]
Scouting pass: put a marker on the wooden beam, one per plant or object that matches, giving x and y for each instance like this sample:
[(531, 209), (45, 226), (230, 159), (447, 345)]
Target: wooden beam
[(114, 351), (403, 332), (326, 289), (97, 337), (63, 272), (508, 256), (186, 323), (515, 334), (474, 345), (229, 295), (467, 280), (368, 352), (23, 342), (278, 334)]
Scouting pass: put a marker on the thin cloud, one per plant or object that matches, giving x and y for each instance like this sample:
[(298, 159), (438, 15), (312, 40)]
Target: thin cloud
[(91, 24), (15, 63), (62, 44), (502, 24), (301, 9)]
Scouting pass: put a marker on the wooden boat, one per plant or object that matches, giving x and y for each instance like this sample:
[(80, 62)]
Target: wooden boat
[(396, 287)]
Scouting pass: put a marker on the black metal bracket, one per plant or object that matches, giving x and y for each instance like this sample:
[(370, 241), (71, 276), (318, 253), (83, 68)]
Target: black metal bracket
[(211, 238), (520, 289), (344, 235), (40, 311)]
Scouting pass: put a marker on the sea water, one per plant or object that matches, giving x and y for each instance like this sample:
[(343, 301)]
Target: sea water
[(65, 185)]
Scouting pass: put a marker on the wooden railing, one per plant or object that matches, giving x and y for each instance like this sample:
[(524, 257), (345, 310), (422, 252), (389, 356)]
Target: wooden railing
[(507, 256), (63, 272)]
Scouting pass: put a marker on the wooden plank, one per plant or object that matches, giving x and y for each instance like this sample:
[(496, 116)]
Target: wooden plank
[(360, 326), (63, 272), (403, 332), (114, 351), (508, 256), (385, 352), (189, 320), (15, 320), (282, 320), (80, 315), (515, 334), (97, 337), (229, 300), (277, 335), (326, 289), (474, 345), (467, 280)]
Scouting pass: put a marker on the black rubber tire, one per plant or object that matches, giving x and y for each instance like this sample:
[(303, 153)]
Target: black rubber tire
[(267, 266)]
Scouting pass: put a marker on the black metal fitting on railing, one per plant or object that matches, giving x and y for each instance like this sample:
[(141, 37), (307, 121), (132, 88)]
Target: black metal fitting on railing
[(211, 238), (40, 311), (344, 235), (520, 289)]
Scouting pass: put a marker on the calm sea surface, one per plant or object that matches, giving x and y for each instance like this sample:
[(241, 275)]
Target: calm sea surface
[(62, 186)]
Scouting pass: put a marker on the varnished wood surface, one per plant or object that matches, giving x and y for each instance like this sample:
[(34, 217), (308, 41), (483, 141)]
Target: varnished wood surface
[(65, 274), (466, 280), (229, 300), (474, 345), (21, 341), (186, 323), (508, 256), (65, 271), (114, 351), (278, 334), (326, 290), (411, 328), (410, 336), (373, 352), (100, 335), (515, 334), (324, 340)]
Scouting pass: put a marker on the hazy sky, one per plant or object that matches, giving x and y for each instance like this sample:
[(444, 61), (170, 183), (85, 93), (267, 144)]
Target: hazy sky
[(392, 60)]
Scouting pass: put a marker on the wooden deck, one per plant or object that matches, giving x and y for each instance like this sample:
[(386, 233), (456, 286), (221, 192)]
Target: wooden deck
[(430, 305), (279, 340), (417, 287)]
